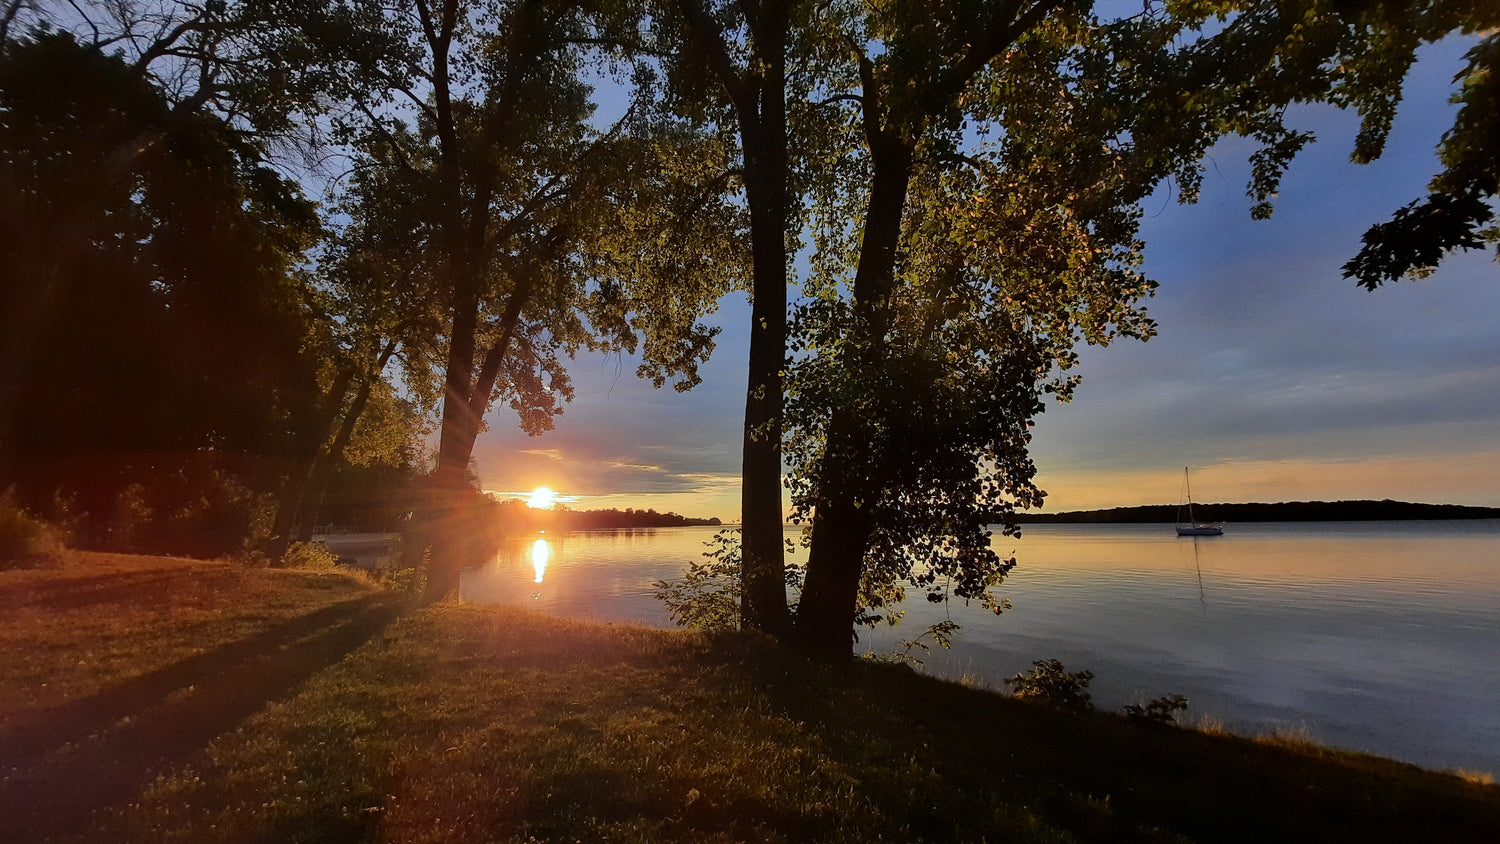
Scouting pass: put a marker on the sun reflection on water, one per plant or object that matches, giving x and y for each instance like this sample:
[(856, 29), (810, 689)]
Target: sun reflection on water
[(540, 551)]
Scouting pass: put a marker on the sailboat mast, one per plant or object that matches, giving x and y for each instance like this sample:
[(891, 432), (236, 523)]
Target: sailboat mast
[(1188, 482)]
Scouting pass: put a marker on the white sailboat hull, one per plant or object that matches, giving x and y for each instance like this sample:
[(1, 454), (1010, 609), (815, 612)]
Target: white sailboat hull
[(1200, 530)]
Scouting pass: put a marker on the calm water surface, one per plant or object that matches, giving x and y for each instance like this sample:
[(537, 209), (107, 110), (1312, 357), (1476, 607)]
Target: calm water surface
[(1378, 636)]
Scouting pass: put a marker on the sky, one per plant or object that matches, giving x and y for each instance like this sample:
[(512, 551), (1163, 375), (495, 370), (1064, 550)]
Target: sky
[(1272, 377)]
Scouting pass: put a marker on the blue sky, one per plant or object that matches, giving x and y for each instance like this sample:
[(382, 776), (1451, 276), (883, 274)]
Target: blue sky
[(1272, 376)]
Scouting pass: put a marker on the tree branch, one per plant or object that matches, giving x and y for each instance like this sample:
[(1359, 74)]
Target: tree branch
[(853, 98), (709, 38)]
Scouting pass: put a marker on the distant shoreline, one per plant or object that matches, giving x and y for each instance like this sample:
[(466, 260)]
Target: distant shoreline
[(1292, 511)]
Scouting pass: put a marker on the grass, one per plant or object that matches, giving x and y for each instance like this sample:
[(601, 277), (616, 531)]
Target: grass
[(467, 723), (462, 723), (72, 630)]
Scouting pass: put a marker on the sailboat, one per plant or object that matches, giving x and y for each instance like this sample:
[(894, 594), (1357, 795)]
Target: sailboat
[(1193, 527)]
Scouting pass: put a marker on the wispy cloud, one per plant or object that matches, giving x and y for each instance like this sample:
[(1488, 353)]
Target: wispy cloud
[(643, 467)]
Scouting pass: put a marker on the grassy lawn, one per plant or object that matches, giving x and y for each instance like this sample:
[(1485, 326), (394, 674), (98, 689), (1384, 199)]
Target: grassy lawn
[(71, 631), (461, 723)]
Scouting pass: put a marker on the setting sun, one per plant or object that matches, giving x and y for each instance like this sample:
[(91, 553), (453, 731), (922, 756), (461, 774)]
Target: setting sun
[(542, 498)]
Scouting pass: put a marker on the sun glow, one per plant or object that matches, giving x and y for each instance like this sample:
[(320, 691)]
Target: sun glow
[(542, 498)]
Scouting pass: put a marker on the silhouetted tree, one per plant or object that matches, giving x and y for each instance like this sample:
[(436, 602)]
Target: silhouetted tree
[(993, 156), (531, 232), (735, 64), (150, 313)]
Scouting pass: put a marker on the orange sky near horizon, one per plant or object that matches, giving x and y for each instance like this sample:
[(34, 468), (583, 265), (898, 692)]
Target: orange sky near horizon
[(1472, 479)]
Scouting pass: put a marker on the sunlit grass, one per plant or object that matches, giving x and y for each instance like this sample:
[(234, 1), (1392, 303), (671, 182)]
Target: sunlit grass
[(1476, 777), (468, 724), (69, 631), (462, 723)]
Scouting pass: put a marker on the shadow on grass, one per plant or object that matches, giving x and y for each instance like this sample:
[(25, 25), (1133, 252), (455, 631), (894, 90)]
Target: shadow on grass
[(931, 760), (64, 764), (1102, 778), (472, 724)]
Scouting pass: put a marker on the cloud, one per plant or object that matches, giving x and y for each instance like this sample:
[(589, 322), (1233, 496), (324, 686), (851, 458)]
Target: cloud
[(644, 467)]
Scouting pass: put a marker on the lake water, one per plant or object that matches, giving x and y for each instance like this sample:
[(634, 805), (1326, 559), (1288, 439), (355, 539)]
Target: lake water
[(1376, 636)]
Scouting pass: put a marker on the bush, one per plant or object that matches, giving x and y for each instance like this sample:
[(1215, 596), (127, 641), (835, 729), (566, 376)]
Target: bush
[(194, 511), (412, 581), (312, 556), (395, 573), (1050, 684), (708, 595), (905, 652), (26, 541), (1159, 711)]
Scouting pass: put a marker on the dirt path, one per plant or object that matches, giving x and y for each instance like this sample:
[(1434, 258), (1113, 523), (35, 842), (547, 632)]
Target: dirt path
[(59, 767)]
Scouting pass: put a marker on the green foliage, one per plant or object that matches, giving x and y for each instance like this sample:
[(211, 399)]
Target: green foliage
[(708, 595), (312, 556), (592, 239), (149, 253), (1050, 684), (941, 635), (25, 540), (194, 509), (1458, 210), (1159, 711), (394, 572), (975, 215), (410, 580)]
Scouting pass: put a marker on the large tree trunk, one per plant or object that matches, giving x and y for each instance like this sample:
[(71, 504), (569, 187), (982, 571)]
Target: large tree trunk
[(763, 565), (843, 522), (459, 426), (763, 606), (448, 530), (310, 507), (757, 90), (449, 487), (841, 532)]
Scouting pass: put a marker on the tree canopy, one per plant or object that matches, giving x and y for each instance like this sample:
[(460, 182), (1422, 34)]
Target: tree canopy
[(149, 312), (963, 179), (979, 219)]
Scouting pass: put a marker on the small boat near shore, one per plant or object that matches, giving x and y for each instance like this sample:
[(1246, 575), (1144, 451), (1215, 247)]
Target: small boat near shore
[(1193, 527)]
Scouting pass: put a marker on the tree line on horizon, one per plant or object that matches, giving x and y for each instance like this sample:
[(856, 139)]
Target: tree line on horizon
[(519, 518), (1282, 511), (259, 250)]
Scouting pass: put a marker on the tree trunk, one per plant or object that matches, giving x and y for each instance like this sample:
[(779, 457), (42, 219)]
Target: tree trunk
[(310, 507), (458, 429), (757, 91), (763, 566), (851, 487), (447, 493), (830, 595), (465, 402), (311, 457)]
